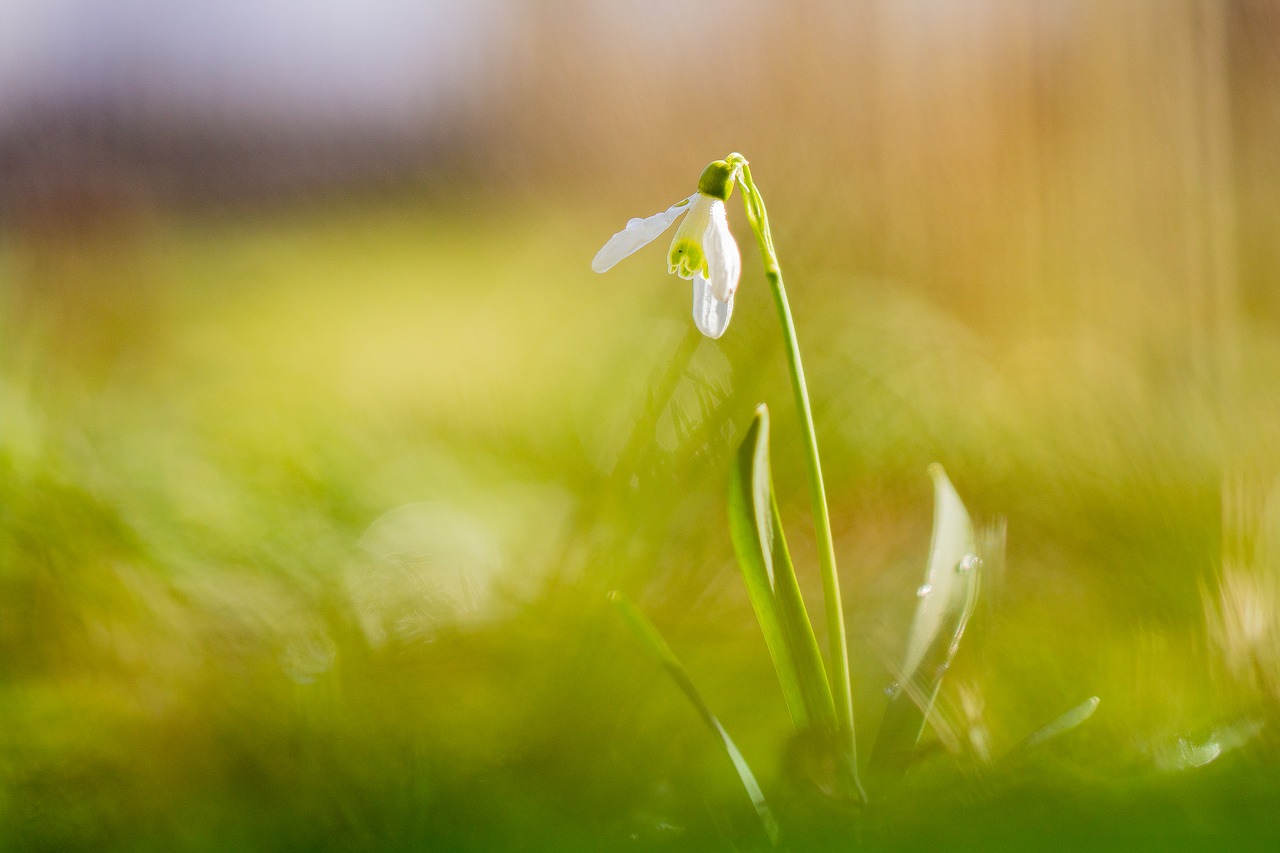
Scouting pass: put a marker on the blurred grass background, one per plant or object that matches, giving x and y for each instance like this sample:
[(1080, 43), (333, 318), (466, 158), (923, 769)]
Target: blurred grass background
[(320, 444)]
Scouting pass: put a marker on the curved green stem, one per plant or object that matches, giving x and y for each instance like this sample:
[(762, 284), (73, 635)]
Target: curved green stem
[(841, 687)]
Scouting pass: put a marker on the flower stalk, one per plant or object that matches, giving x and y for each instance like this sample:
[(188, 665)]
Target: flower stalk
[(705, 252), (841, 686)]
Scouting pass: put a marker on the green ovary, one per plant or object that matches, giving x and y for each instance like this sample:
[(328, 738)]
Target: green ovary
[(717, 180), (686, 258)]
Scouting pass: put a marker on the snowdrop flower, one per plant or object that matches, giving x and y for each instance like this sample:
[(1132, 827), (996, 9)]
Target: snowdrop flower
[(703, 249)]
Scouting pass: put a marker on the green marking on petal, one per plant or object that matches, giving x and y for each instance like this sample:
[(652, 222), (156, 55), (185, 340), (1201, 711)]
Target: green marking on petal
[(717, 180), (686, 258)]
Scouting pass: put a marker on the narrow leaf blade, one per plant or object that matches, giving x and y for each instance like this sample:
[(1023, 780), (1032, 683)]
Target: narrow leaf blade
[(1059, 725), (654, 642), (765, 562), (947, 600), (945, 587), (1064, 723)]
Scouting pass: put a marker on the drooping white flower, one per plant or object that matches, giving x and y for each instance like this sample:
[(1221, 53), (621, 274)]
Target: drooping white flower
[(702, 250)]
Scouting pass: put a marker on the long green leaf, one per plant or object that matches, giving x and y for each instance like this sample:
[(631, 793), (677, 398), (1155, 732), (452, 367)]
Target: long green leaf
[(649, 635), (947, 598), (758, 541), (1059, 725)]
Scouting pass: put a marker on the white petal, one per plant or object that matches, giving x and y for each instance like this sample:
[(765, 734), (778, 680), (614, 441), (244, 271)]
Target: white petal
[(710, 315), (638, 234), (692, 230), (724, 261)]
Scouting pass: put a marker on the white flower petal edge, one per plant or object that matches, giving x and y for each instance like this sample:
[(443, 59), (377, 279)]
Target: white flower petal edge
[(638, 234), (724, 261), (710, 315)]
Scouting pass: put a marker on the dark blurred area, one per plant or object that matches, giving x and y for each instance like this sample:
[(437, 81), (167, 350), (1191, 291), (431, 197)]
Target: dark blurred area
[(121, 106)]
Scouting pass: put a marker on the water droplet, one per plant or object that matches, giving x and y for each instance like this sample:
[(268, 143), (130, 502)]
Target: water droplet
[(924, 590), (968, 563), (893, 690)]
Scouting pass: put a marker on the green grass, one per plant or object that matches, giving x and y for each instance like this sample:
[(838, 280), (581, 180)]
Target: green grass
[(213, 636)]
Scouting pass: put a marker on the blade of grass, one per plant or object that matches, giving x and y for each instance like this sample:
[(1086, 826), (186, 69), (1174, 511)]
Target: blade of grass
[(945, 587), (765, 562), (947, 599), (652, 640), (1059, 725)]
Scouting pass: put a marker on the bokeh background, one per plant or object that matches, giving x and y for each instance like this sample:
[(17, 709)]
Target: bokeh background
[(321, 445)]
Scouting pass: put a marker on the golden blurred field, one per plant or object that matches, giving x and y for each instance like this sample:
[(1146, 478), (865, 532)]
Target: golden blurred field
[(310, 502)]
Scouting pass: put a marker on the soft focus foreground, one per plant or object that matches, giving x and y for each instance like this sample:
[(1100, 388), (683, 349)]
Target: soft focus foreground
[(311, 493)]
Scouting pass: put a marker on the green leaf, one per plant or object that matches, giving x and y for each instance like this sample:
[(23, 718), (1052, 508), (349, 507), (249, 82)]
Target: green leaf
[(648, 634), (1061, 724), (947, 598), (758, 541)]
